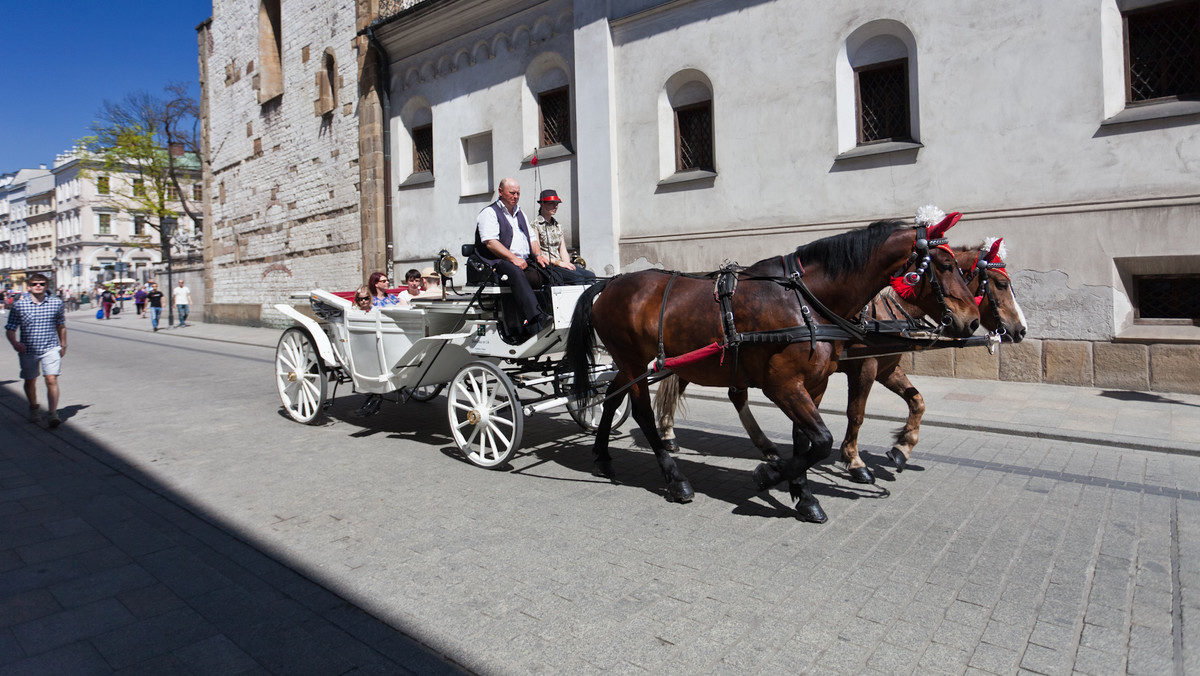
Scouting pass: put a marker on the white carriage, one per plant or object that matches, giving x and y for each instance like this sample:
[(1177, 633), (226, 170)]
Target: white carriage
[(415, 351)]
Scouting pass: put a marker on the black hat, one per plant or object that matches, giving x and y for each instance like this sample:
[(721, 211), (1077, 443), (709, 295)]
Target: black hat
[(549, 195)]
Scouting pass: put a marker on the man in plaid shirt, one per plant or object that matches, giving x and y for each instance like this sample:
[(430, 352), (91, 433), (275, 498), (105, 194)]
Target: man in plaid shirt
[(42, 345)]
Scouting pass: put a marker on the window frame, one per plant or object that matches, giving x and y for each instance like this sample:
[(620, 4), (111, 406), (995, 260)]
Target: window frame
[(542, 99), (418, 136), (901, 65)]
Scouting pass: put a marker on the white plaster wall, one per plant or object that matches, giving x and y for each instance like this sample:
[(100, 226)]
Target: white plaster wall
[(473, 84)]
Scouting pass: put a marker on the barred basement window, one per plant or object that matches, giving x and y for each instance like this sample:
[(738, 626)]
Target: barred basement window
[(1161, 298), (694, 137), (554, 108), (422, 138), (883, 102), (1162, 52)]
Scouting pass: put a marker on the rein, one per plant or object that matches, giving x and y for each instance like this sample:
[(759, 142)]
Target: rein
[(980, 268)]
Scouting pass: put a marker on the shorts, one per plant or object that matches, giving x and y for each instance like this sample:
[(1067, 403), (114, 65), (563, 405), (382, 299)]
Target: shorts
[(50, 364)]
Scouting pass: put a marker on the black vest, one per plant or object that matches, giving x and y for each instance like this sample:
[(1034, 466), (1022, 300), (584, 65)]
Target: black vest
[(506, 233)]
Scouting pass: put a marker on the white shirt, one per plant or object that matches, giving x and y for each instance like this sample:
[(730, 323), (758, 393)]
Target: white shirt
[(489, 228), (181, 295)]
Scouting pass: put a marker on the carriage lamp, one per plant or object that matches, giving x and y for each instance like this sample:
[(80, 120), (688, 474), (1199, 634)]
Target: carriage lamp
[(446, 265)]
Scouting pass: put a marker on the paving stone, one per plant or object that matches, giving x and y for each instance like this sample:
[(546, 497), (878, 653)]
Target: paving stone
[(97, 586), (993, 659), (146, 639), (26, 606), (68, 626), (215, 655), (77, 659)]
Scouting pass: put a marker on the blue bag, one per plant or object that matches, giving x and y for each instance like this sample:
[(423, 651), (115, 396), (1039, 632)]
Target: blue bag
[(100, 313)]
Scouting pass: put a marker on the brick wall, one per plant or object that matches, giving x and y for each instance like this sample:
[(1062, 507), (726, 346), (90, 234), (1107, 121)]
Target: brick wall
[(283, 195)]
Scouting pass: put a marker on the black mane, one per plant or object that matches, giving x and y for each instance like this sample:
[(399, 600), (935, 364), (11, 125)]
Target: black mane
[(840, 254)]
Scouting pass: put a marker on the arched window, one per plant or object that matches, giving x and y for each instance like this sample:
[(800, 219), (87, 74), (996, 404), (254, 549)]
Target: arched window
[(546, 102), (687, 130), (269, 80), (877, 100)]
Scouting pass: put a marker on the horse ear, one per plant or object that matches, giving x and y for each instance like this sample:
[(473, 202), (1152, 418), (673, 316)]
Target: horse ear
[(992, 253), (937, 231)]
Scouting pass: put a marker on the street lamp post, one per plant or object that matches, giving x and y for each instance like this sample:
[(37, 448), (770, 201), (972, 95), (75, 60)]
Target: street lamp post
[(166, 227)]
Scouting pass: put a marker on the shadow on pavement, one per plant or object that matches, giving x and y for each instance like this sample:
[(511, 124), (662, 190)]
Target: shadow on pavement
[(105, 569)]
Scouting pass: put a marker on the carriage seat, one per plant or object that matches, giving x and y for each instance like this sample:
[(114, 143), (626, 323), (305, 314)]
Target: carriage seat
[(349, 295)]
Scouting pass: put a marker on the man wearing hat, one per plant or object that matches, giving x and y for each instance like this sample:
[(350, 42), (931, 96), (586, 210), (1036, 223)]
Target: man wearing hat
[(550, 236), (502, 240)]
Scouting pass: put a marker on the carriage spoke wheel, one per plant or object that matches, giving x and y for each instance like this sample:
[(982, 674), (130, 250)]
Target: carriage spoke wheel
[(300, 376), (425, 392), (587, 412), (485, 414)]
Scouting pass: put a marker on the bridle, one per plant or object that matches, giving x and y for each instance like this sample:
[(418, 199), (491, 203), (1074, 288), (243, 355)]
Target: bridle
[(905, 280), (983, 263)]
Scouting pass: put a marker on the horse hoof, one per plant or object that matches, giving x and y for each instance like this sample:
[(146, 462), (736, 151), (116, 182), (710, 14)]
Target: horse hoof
[(861, 475), (670, 445), (766, 476), (681, 491), (811, 513), (898, 459), (603, 468), (771, 457)]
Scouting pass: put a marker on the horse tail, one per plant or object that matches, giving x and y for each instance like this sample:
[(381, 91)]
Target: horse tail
[(667, 401), (581, 341)]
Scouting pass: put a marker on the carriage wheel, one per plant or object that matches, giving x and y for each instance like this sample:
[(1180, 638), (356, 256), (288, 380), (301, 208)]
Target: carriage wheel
[(485, 414), (300, 376), (587, 413), (425, 392)]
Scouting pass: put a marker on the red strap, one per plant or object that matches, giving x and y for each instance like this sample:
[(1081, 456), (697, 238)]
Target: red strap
[(694, 355)]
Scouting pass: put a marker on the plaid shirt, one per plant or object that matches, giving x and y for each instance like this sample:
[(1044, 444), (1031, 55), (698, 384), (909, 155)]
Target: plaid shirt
[(38, 322)]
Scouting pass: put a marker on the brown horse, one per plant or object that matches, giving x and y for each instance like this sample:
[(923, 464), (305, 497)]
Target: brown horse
[(999, 312), (651, 314)]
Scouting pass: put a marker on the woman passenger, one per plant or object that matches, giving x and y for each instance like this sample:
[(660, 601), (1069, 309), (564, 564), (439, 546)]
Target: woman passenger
[(378, 285)]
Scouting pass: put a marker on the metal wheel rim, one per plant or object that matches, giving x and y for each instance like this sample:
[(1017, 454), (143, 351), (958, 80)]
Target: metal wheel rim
[(485, 414), (588, 415), (299, 376)]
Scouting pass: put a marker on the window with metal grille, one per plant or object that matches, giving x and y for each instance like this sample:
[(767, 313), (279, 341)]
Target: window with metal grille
[(139, 226), (1167, 297), (694, 137), (1162, 52), (883, 102), (554, 107), (422, 138)]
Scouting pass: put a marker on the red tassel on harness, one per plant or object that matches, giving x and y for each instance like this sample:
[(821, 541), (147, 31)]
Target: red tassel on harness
[(903, 288)]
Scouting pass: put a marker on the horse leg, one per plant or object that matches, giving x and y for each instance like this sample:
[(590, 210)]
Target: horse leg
[(811, 442), (601, 460), (670, 394), (906, 438), (741, 401), (678, 487), (860, 375)]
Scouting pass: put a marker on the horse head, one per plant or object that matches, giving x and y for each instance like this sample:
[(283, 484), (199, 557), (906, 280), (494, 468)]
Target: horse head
[(931, 278), (998, 307)]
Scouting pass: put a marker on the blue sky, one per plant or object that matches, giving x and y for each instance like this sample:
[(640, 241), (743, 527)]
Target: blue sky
[(60, 60)]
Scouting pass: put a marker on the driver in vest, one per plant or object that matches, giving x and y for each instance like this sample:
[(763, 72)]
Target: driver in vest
[(502, 240)]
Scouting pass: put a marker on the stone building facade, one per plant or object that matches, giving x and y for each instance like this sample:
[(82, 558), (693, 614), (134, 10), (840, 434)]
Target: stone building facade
[(801, 119), (280, 114)]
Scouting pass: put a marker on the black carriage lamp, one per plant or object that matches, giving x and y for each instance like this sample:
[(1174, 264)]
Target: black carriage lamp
[(446, 265), (166, 228), (121, 276)]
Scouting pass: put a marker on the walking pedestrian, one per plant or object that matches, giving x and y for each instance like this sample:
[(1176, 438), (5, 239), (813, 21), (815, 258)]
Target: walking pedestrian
[(42, 345), (139, 301), (182, 297), (107, 298), (154, 299)]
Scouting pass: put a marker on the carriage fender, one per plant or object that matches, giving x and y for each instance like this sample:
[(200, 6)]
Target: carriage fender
[(324, 347)]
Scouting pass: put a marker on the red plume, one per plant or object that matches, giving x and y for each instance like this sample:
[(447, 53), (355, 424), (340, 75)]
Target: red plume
[(937, 231), (992, 253), (903, 288)]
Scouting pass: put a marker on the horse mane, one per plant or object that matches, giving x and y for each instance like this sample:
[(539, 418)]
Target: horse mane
[(845, 253)]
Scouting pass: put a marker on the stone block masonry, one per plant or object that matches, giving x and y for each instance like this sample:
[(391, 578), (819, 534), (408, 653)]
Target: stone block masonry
[(284, 180)]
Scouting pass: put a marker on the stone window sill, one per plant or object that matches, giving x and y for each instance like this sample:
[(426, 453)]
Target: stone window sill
[(418, 179), (547, 153), (1153, 111), (879, 149), (688, 176)]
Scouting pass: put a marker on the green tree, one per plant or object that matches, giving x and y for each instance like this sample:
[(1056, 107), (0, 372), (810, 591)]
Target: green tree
[(154, 141)]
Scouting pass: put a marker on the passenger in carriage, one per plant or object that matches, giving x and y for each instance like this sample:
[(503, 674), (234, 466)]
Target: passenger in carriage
[(550, 236), (413, 286), (502, 240), (362, 299), (378, 285)]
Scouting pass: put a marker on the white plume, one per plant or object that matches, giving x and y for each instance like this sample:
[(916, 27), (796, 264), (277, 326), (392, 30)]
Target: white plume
[(1002, 253), (929, 215)]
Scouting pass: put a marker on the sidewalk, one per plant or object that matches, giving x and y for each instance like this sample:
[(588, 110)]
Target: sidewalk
[(1165, 422)]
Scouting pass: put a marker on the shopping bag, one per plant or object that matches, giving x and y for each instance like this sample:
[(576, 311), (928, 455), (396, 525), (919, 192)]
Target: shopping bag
[(100, 313)]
